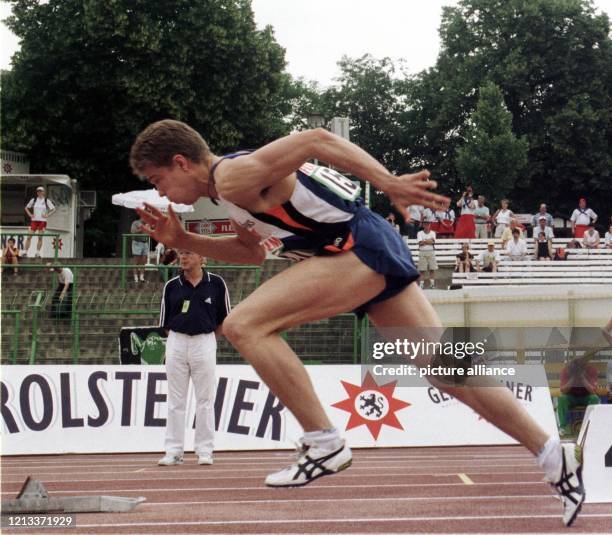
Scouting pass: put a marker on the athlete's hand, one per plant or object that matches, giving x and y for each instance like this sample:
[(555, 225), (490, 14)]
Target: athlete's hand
[(415, 189), (165, 228), (247, 236)]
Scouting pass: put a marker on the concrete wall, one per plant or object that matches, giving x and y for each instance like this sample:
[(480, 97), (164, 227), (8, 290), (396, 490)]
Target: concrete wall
[(555, 306)]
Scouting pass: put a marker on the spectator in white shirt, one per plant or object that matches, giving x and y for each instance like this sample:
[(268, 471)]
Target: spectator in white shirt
[(415, 214), (590, 239), (516, 247), (427, 254), (61, 303), (488, 260), (582, 218), (39, 210), (542, 213), (608, 239), (502, 217)]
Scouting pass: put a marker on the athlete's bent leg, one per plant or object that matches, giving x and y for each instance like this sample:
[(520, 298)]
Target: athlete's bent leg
[(496, 404), (317, 288)]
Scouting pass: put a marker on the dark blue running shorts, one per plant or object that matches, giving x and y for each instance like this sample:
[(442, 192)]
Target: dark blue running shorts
[(379, 246)]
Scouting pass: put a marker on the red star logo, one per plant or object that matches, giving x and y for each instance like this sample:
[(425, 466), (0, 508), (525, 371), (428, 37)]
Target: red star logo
[(371, 405)]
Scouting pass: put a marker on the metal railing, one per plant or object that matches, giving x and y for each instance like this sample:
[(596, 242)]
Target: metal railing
[(37, 302), (343, 338)]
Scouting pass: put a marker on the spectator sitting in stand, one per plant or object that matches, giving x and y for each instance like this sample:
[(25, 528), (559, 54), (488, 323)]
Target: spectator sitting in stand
[(502, 219), (608, 239), (560, 254), (10, 255), (464, 261), (507, 233), (488, 260), (542, 227), (590, 239), (516, 247), (542, 213), (578, 384), (582, 218), (543, 248)]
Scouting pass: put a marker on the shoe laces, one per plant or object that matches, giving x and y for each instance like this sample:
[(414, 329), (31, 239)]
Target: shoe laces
[(300, 448)]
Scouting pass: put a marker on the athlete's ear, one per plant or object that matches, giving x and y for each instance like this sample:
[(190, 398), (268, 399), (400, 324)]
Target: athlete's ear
[(181, 162)]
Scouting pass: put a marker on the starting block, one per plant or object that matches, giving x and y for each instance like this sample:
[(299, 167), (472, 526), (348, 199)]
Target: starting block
[(34, 498), (595, 439)]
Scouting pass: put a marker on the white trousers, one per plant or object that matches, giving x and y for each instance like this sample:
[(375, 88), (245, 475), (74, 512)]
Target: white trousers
[(195, 357)]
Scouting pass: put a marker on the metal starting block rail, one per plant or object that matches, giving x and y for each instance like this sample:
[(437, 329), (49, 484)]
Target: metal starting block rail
[(34, 498)]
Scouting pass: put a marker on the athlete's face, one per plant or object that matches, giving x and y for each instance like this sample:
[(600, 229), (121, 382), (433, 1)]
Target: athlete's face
[(178, 181)]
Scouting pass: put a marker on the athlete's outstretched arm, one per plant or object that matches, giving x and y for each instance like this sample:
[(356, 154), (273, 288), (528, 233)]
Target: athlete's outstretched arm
[(244, 248), (240, 178)]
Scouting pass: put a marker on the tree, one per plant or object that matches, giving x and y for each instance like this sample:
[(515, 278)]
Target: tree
[(90, 75), (492, 157), (551, 59), (370, 93)]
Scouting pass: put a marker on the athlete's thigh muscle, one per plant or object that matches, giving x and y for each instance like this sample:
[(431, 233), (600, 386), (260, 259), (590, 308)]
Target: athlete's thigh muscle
[(313, 289)]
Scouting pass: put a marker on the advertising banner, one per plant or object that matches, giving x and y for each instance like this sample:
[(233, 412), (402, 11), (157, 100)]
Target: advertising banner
[(95, 409)]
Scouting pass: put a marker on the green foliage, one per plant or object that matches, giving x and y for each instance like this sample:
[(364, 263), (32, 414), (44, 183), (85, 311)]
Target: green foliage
[(551, 59), (492, 156), (90, 75)]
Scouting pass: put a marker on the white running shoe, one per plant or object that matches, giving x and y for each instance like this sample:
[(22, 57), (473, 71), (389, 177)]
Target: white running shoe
[(569, 483), (312, 463), (205, 458), (170, 460)]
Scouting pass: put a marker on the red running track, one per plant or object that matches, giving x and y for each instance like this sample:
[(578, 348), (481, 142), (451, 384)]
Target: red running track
[(405, 490)]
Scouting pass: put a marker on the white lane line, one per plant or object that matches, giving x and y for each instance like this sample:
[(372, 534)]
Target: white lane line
[(120, 457), (260, 468), (383, 499), (189, 475), (261, 488), (482, 518)]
